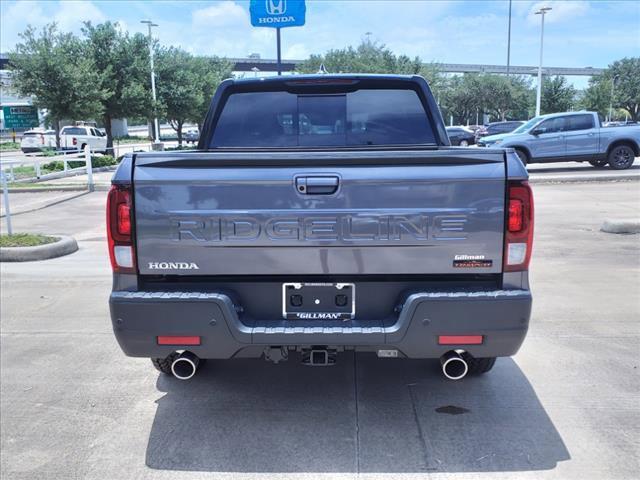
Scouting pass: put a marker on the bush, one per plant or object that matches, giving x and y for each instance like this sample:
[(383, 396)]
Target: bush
[(97, 161), (183, 147)]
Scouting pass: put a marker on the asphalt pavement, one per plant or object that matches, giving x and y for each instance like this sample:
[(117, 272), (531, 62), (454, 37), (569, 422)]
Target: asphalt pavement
[(567, 406)]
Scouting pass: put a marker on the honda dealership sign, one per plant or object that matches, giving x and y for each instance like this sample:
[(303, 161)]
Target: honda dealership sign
[(277, 13)]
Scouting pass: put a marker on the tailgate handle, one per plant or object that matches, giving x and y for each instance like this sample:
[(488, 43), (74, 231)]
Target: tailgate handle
[(317, 185)]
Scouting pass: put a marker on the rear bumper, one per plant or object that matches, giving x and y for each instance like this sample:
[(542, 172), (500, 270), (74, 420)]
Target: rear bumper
[(501, 316)]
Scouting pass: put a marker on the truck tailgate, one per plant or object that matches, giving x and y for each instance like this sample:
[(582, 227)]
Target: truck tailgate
[(278, 213)]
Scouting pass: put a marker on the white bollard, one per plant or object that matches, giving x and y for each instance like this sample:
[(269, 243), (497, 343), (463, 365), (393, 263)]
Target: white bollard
[(5, 194), (87, 157)]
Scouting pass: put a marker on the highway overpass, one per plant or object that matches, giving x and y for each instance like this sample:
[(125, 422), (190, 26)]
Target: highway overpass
[(269, 65)]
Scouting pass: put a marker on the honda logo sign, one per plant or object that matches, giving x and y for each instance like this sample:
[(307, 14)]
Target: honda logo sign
[(276, 7), (277, 13)]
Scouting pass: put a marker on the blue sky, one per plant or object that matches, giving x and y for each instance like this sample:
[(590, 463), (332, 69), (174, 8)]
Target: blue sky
[(577, 33)]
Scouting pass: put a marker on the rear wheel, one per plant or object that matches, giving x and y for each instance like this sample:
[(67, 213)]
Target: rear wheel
[(600, 163), (464, 143), (522, 155), (164, 364), (621, 157), (478, 366)]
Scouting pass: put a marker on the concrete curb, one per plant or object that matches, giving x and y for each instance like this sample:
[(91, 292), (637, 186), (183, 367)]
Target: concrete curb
[(620, 226), (64, 246), (586, 178)]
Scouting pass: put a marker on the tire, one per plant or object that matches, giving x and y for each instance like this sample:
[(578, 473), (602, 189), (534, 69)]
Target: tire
[(464, 143), (522, 155), (164, 364), (478, 366), (621, 157), (600, 163)]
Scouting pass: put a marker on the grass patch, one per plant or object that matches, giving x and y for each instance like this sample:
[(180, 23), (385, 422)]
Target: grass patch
[(9, 146), (130, 139), (25, 240)]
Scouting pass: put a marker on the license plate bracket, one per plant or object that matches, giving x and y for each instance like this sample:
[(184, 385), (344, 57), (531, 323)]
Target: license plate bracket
[(318, 301)]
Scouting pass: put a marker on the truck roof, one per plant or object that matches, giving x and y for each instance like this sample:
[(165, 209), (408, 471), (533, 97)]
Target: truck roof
[(561, 114)]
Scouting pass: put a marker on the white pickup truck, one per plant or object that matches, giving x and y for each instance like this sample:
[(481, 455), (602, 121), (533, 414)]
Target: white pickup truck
[(74, 138), (71, 138)]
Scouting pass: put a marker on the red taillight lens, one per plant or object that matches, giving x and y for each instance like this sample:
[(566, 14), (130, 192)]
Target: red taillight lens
[(516, 213), (74, 141), (119, 229), (124, 219), (519, 229)]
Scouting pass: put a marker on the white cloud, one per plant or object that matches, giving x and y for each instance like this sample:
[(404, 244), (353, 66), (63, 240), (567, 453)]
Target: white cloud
[(297, 51), (11, 28), (224, 14), (71, 15)]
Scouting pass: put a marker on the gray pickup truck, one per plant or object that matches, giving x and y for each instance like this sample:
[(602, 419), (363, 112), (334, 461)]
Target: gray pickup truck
[(571, 136), (321, 214)]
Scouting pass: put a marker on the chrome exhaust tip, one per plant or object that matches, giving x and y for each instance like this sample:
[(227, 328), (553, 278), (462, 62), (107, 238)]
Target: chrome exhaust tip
[(184, 367), (454, 366)]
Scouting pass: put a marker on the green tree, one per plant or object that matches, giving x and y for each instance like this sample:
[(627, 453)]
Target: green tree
[(177, 85), (597, 96), (460, 98), (625, 74), (50, 67), (210, 71), (185, 85), (122, 65), (368, 57), (557, 95), (469, 96)]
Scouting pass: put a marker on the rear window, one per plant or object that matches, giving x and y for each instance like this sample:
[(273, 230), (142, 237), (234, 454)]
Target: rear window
[(283, 119), (579, 122), (73, 131)]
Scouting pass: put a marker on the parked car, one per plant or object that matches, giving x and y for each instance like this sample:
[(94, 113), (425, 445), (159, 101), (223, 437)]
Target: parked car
[(571, 136), (77, 137), (321, 213), (192, 135), (37, 140), (461, 136), (496, 128)]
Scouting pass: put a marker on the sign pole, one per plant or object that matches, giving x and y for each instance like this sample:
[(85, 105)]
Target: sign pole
[(279, 51)]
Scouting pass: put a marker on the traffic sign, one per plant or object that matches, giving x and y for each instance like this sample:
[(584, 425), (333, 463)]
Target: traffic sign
[(277, 13), (20, 117)]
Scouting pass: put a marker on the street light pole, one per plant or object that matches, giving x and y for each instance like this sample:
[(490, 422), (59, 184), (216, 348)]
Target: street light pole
[(613, 82), (150, 24), (542, 12), (509, 42)]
